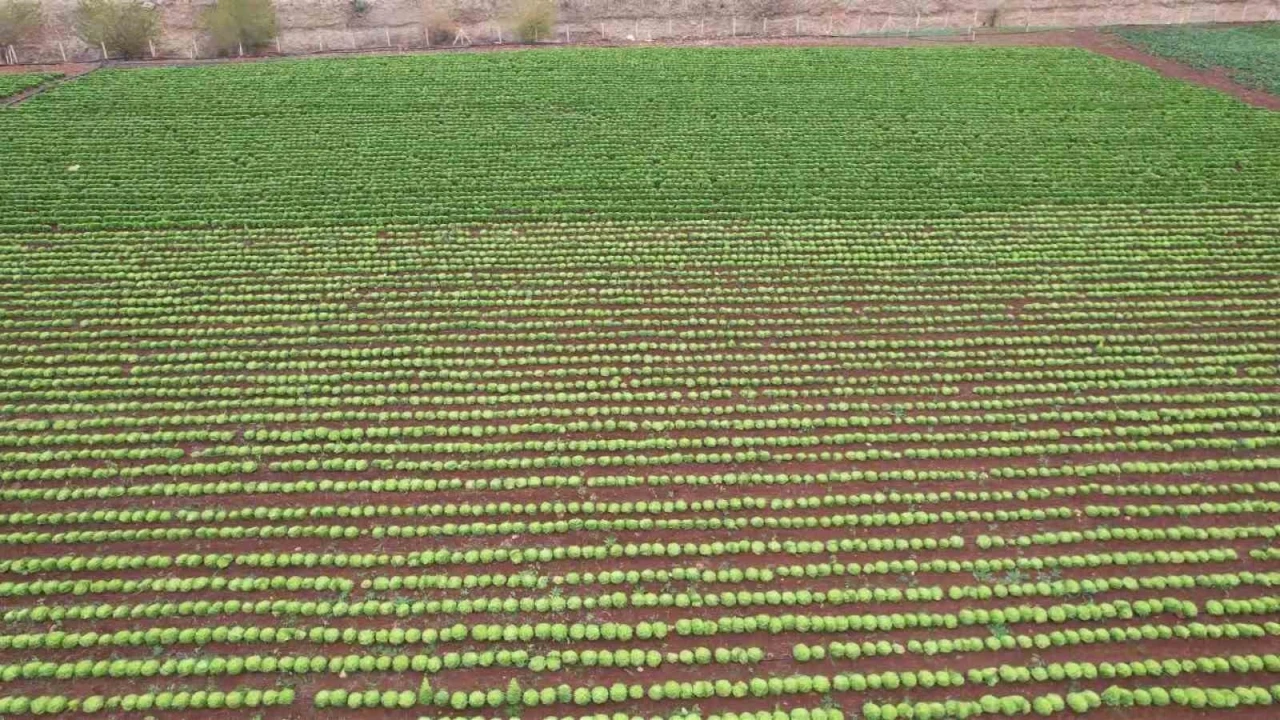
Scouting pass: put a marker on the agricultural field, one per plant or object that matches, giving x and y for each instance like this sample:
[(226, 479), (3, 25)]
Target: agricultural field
[(746, 384), (13, 83), (1249, 53)]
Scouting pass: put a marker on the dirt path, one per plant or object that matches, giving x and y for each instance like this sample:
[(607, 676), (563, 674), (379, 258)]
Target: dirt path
[(1215, 78), (69, 71)]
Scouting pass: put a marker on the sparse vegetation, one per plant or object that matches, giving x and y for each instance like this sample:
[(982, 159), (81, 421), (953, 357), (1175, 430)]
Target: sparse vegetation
[(19, 20), (358, 9), (124, 27), (236, 24), (992, 17), (441, 28), (534, 20)]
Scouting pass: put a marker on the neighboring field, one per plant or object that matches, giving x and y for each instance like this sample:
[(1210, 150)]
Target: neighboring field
[(891, 383), (1250, 53), (17, 82)]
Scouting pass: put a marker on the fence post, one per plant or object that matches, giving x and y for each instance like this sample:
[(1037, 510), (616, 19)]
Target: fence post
[(103, 45), (241, 49), (764, 28), (152, 45), (386, 32), (278, 50), (62, 51), (670, 30), (351, 38), (734, 26), (797, 26)]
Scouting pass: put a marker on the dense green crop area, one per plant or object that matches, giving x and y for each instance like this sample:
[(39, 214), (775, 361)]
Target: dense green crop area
[(736, 384), (1251, 53), (11, 83), (577, 134)]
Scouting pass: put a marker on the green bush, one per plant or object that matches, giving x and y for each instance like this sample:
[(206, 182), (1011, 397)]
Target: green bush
[(124, 27), (534, 20), (236, 24), (19, 19)]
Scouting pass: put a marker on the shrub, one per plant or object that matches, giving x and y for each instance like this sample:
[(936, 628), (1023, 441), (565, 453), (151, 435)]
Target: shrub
[(440, 26), (233, 24), (534, 20), (19, 19), (124, 27)]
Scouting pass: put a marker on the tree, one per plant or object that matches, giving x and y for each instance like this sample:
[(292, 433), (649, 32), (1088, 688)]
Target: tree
[(534, 20), (236, 25), (124, 27), (19, 19)]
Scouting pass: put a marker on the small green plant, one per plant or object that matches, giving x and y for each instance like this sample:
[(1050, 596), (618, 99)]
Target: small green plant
[(123, 27), (236, 25)]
